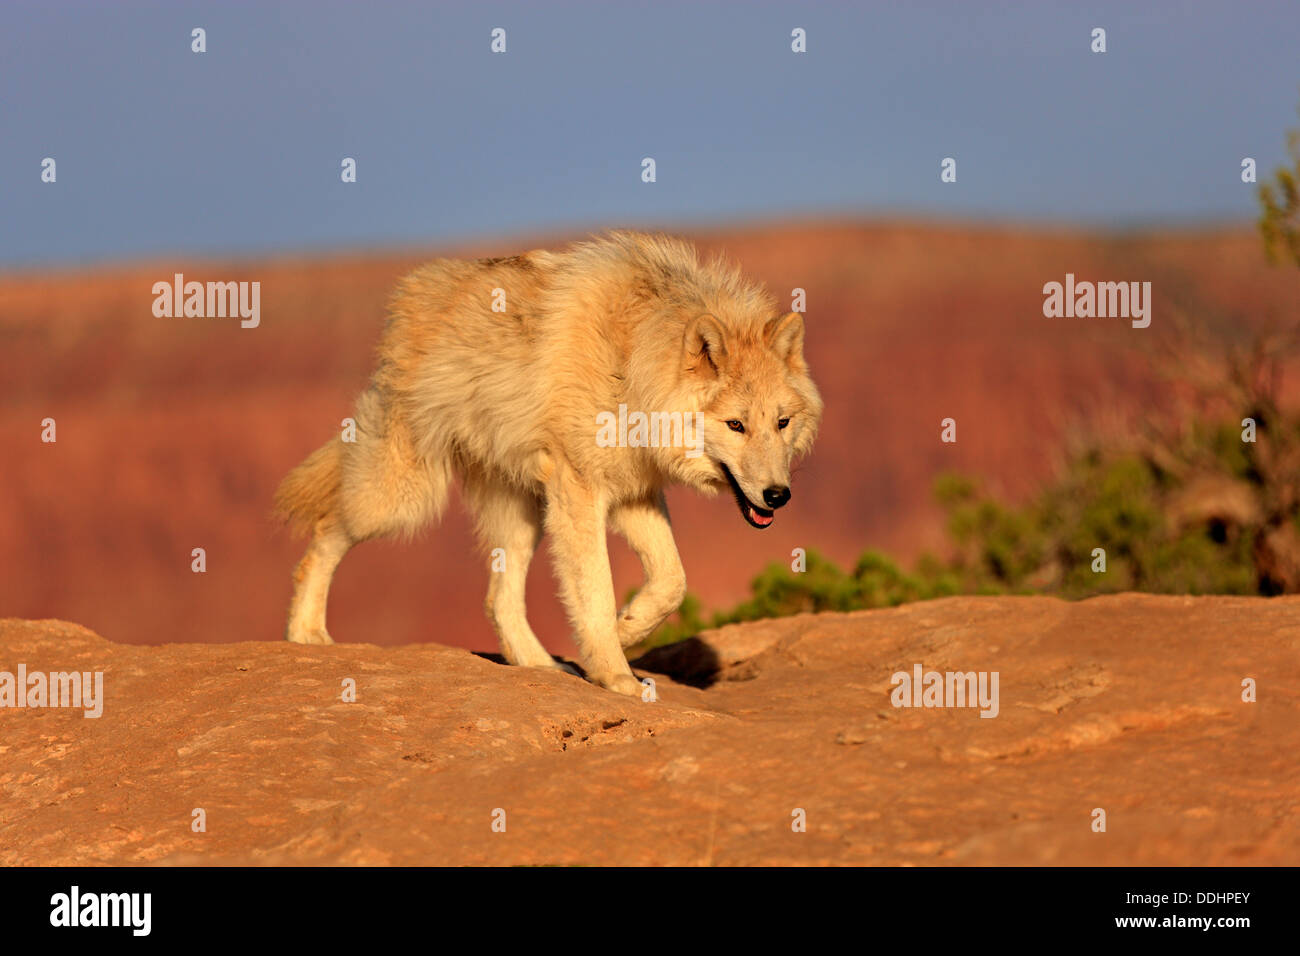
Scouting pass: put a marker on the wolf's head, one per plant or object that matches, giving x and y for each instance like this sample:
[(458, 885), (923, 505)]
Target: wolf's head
[(758, 408)]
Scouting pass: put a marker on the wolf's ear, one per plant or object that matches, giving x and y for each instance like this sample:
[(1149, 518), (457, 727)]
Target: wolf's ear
[(705, 344), (785, 336)]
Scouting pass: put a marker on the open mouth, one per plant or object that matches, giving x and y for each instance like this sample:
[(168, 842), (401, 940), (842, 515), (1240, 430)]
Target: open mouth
[(756, 516)]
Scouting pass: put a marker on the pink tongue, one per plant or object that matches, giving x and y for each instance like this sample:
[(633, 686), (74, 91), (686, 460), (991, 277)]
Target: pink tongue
[(760, 519)]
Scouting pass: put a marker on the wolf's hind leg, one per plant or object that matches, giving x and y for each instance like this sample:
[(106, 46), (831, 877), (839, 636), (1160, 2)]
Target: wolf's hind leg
[(644, 524), (509, 520), (311, 582)]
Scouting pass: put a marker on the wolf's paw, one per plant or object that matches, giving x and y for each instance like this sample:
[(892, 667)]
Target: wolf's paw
[(549, 663), (314, 636), (620, 684)]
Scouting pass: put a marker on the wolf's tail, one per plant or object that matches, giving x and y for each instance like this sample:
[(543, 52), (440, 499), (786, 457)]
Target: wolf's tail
[(311, 491)]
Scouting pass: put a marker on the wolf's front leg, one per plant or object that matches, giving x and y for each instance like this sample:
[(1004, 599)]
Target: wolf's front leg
[(575, 521), (645, 526)]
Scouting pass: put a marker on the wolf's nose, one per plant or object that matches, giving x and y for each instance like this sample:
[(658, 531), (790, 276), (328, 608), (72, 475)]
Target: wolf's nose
[(775, 497)]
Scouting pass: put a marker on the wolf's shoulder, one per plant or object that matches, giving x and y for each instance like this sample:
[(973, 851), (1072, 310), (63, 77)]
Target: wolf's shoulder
[(650, 251)]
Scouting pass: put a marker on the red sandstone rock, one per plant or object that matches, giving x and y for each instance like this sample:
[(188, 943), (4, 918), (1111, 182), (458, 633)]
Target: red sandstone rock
[(1131, 703)]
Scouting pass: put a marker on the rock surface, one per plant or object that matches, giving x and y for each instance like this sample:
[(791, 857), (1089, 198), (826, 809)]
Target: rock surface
[(1132, 704)]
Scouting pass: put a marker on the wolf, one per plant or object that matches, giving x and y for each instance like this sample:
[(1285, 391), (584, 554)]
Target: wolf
[(497, 372)]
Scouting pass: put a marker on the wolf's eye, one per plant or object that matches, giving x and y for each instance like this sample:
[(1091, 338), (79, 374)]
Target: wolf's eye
[(735, 425), (782, 422)]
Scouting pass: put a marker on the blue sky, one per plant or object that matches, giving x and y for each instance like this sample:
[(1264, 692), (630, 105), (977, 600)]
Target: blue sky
[(237, 150)]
